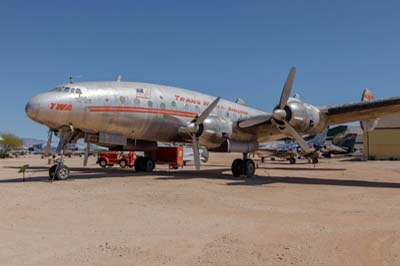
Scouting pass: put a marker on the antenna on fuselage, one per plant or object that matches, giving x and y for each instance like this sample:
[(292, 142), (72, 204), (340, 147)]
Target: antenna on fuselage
[(71, 78)]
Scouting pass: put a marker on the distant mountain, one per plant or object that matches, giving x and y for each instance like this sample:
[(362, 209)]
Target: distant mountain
[(29, 142)]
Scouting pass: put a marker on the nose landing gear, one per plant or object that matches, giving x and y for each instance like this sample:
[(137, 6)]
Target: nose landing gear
[(59, 171)]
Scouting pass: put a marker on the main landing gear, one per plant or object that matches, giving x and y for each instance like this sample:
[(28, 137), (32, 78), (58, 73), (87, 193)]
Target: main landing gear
[(144, 164), (245, 167)]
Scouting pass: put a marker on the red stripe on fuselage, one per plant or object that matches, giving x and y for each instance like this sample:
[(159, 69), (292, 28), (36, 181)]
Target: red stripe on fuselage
[(127, 109)]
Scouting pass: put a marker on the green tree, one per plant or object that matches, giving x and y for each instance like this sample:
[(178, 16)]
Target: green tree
[(10, 142)]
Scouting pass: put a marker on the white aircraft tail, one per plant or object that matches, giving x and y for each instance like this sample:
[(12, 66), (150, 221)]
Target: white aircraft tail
[(368, 125)]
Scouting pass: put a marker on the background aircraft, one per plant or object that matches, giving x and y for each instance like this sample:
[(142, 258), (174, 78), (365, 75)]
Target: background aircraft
[(135, 116), (341, 142), (291, 150)]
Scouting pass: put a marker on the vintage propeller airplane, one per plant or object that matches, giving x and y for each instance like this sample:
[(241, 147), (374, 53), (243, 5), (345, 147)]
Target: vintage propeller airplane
[(135, 116)]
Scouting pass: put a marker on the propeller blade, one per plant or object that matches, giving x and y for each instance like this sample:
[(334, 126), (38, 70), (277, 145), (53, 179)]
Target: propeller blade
[(287, 88), (196, 154), (49, 138), (303, 144), (87, 150), (254, 121), (203, 116)]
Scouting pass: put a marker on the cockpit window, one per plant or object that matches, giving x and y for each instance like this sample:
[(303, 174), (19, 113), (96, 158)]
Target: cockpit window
[(68, 90), (58, 89)]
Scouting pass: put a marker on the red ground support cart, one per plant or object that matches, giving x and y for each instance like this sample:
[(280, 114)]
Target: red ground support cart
[(173, 156), (109, 158)]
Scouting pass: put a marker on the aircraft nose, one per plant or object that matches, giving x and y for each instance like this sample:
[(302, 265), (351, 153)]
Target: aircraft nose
[(32, 108)]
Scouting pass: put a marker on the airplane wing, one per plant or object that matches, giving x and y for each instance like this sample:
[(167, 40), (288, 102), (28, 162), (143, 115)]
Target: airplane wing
[(262, 124), (360, 111), (292, 117)]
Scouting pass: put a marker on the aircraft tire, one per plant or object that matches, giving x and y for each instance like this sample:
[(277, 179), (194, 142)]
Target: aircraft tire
[(62, 172), (52, 172), (138, 164), (248, 167), (315, 160), (148, 164), (292, 160), (236, 167)]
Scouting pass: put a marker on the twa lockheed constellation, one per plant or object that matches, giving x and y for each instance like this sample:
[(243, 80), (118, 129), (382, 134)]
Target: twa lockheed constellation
[(135, 116)]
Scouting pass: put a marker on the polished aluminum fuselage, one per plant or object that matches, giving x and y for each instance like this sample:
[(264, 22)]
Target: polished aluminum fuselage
[(140, 111)]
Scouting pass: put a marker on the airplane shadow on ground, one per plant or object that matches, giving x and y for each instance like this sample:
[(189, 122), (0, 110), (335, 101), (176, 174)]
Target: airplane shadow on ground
[(296, 168), (76, 174), (223, 173), (266, 180)]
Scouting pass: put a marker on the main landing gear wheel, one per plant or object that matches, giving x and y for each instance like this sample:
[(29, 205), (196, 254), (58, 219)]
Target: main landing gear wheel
[(243, 167), (236, 167), (315, 160), (148, 164), (292, 160), (145, 164), (59, 172), (138, 164)]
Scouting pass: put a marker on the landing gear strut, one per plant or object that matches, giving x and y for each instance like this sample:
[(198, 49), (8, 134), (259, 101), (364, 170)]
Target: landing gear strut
[(245, 167), (144, 164)]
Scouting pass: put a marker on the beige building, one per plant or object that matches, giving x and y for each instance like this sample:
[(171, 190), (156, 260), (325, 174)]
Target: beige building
[(384, 142)]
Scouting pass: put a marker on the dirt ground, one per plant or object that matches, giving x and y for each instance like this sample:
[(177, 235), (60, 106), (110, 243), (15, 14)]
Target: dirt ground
[(337, 213)]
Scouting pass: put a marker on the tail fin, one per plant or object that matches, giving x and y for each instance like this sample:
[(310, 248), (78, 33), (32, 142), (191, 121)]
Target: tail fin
[(319, 140), (348, 141), (368, 125)]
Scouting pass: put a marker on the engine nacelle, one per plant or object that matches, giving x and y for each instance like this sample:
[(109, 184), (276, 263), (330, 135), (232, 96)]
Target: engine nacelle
[(303, 117), (214, 131)]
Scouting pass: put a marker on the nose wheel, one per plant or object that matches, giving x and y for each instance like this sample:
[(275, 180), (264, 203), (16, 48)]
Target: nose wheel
[(245, 167), (59, 171)]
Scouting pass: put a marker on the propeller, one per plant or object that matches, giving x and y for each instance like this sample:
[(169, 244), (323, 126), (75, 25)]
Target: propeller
[(195, 129), (280, 114)]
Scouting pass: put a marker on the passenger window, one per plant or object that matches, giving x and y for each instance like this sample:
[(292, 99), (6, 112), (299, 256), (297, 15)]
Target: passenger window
[(186, 106), (150, 104), (197, 109), (72, 90), (162, 106), (66, 89), (173, 104), (122, 99), (78, 91), (136, 101)]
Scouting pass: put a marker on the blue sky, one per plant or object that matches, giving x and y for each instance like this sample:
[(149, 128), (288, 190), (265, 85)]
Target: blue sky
[(226, 48)]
